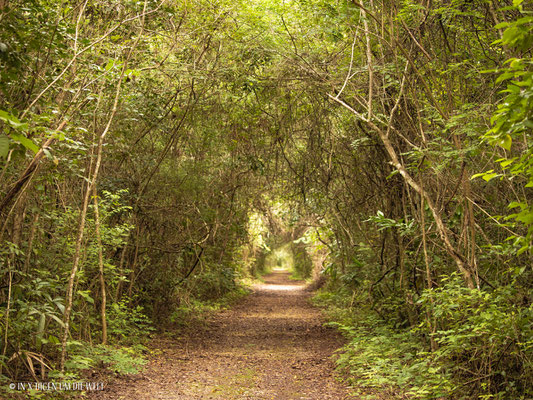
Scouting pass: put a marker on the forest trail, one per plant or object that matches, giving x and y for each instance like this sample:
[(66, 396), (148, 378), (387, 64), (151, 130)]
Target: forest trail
[(271, 345)]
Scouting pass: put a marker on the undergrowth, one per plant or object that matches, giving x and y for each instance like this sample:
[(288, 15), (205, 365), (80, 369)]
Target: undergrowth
[(378, 358), (470, 359), (119, 360), (297, 276), (84, 365), (194, 312)]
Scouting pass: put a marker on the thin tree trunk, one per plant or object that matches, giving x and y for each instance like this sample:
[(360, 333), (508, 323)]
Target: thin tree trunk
[(134, 263), (91, 182), (28, 172), (441, 228), (431, 323), (100, 266), (30, 242), (8, 308), (121, 269)]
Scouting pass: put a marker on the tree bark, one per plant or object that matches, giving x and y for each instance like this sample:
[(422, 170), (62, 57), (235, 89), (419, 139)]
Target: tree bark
[(100, 267)]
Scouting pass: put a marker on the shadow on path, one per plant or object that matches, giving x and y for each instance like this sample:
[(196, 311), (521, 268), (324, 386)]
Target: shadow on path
[(272, 345)]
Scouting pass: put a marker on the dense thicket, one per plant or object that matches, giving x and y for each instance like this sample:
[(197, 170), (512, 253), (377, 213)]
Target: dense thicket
[(153, 150)]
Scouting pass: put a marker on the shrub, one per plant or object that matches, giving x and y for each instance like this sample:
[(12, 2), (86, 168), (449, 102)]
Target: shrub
[(484, 337), (128, 324)]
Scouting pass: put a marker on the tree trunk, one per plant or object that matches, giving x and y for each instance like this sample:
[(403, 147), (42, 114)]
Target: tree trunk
[(100, 267)]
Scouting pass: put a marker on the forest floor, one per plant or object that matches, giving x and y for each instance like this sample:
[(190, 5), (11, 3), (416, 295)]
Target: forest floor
[(271, 345)]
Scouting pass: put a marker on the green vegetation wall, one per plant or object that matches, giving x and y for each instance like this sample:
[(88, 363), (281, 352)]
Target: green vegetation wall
[(139, 139), (123, 163)]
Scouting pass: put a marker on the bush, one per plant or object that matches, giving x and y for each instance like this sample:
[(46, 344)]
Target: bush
[(123, 360), (484, 337), (213, 284), (378, 358), (128, 324), (484, 344)]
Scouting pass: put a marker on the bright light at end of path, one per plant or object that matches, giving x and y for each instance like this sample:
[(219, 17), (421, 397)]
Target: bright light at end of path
[(279, 288)]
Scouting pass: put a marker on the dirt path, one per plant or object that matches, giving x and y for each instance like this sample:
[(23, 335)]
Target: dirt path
[(270, 346)]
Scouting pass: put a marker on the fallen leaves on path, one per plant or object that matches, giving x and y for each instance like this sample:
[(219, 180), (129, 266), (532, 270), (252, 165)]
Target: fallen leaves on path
[(270, 346)]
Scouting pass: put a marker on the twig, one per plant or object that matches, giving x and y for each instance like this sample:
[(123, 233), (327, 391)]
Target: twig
[(349, 74)]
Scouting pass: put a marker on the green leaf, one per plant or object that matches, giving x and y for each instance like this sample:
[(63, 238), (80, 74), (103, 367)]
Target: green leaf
[(526, 217), (506, 142), (392, 174), (510, 35), (12, 120), (505, 163), (53, 339), (488, 177), (110, 64), (502, 25), (86, 296), (515, 204), (522, 249), (505, 76), (59, 305), (478, 175), (23, 140), (55, 317), (4, 146)]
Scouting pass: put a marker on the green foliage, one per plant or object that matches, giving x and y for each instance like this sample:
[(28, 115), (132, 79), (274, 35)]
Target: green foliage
[(38, 296), (16, 128), (213, 284), (512, 122), (378, 359), (337, 305), (303, 265), (222, 127), (35, 318), (483, 337), (193, 312), (128, 324), (403, 228), (120, 360)]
